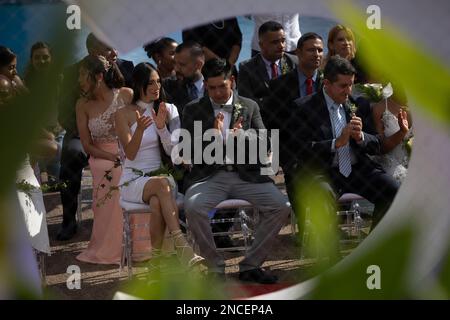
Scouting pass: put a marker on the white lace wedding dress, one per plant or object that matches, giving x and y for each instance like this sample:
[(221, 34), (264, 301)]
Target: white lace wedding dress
[(33, 209), (395, 162)]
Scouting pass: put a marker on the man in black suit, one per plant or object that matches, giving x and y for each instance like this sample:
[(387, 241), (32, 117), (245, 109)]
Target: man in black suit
[(277, 111), (223, 114), (331, 142), (302, 81), (189, 60), (98, 47), (271, 62)]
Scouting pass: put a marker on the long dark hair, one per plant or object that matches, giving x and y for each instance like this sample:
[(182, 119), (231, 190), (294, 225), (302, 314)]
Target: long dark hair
[(6, 56), (141, 76), (111, 74)]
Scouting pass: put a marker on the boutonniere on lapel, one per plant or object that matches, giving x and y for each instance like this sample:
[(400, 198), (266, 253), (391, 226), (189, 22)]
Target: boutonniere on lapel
[(352, 108), (237, 111), (320, 76), (284, 66)]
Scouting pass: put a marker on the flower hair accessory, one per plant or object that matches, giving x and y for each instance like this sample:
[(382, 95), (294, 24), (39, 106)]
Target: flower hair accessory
[(106, 64)]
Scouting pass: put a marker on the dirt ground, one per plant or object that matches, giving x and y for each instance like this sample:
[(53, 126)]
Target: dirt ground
[(103, 281)]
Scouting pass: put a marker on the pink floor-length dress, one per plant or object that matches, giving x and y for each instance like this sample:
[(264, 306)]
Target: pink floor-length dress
[(105, 245)]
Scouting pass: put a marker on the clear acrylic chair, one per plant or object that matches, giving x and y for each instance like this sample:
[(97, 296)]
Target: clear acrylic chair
[(129, 209), (240, 218)]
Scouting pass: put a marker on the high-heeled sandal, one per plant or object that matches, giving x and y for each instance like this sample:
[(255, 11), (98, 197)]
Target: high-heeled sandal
[(185, 253)]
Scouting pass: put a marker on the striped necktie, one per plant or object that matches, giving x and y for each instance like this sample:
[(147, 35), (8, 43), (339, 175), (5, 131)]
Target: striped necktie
[(344, 158)]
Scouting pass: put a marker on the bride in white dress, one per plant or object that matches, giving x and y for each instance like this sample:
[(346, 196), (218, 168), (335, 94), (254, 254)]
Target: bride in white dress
[(393, 122)]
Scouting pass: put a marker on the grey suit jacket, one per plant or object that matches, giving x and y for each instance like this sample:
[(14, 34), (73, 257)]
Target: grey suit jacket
[(202, 110)]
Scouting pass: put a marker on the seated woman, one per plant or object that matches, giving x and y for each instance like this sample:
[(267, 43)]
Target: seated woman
[(393, 122), (101, 82), (162, 51), (341, 41), (8, 68), (39, 71), (142, 128)]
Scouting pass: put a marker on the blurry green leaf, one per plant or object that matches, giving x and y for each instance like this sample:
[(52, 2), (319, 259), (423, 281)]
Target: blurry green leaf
[(445, 275), (21, 122), (317, 209), (391, 255), (175, 283)]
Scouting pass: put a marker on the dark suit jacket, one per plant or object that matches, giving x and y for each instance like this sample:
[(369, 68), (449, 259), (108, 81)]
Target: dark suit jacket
[(127, 68), (202, 110), (177, 93), (283, 90), (315, 135), (278, 110), (69, 94), (253, 80)]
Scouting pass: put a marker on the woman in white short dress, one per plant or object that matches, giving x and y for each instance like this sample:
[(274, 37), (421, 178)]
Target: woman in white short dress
[(141, 127)]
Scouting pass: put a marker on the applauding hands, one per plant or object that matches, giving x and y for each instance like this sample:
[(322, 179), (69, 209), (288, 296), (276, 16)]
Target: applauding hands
[(160, 118), (218, 123), (143, 122), (403, 121)]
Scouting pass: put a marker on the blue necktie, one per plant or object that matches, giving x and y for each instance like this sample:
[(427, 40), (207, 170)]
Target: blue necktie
[(193, 94), (344, 158)]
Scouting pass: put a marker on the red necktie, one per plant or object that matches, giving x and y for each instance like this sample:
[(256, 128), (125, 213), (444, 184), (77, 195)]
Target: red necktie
[(309, 86), (274, 68)]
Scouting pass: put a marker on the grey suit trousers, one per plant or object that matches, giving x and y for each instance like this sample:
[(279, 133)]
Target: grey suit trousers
[(202, 197)]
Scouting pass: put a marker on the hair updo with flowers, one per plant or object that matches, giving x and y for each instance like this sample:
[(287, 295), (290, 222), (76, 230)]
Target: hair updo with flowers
[(95, 65)]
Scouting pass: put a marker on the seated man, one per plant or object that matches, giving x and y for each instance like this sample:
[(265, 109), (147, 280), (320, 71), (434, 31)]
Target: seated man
[(332, 143), (189, 60), (97, 47), (210, 182), (255, 73)]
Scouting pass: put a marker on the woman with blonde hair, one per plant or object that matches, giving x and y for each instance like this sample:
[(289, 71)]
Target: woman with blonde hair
[(342, 42)]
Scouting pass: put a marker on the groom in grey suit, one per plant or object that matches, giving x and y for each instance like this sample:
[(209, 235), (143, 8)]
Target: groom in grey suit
[(208, 184)]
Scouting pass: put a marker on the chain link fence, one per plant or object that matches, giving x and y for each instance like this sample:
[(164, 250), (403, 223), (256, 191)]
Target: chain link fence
[(23, 23)]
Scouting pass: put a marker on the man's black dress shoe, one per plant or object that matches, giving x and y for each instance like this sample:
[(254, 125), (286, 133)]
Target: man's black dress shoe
[(67, 232), (257, 275)]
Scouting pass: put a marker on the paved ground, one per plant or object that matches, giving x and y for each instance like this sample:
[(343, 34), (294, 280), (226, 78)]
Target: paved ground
[(103, 281)]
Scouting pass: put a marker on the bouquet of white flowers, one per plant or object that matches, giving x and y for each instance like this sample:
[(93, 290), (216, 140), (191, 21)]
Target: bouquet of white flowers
[(374, 92)]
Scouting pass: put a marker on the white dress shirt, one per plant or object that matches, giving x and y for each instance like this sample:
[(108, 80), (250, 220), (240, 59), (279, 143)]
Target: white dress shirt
[(226, 115)]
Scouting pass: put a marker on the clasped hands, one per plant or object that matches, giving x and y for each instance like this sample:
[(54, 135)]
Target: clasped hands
[(218, 123), (353, 130)]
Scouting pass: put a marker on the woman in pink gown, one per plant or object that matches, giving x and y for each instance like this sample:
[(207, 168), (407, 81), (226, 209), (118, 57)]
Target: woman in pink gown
[(101, 82)]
